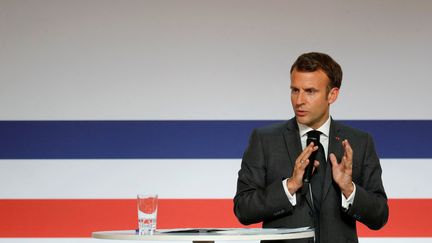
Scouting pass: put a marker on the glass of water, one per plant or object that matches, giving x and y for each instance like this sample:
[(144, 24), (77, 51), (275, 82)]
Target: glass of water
[(147, 213)]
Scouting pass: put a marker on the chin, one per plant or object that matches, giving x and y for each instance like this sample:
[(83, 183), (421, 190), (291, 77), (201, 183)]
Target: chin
[(302, 120)]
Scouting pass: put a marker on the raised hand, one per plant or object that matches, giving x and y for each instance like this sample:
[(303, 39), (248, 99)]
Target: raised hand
[(342, 172), (296, 180)]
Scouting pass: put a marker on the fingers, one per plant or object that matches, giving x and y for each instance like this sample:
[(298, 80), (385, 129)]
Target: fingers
[(296, 181), (303, 159), (348, 150), (348, 154), (342, 172)]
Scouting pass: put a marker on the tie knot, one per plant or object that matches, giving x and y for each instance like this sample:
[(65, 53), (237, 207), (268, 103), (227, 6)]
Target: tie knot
[(314, 134)]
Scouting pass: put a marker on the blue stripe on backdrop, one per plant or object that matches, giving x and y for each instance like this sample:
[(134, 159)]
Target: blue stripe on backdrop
[(180, 139)]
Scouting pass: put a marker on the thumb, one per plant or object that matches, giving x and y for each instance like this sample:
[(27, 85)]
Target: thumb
[(333, 160)]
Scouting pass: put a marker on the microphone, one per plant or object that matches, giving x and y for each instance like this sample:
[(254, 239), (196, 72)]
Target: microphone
[(308, 171)]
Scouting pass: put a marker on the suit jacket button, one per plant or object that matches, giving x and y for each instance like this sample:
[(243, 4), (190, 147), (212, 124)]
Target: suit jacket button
[(310, 213)]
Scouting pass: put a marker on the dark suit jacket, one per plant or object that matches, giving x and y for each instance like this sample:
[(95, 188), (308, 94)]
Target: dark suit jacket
[(270, 158)]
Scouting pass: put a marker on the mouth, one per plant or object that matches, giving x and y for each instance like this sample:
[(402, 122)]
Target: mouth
[(300, 113)]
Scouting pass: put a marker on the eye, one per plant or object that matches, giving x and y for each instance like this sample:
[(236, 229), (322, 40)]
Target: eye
[(310, 91), (294, 90)]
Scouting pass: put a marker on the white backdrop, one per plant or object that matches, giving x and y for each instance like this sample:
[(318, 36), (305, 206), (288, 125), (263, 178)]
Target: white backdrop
[(105, 59), (205, 60)]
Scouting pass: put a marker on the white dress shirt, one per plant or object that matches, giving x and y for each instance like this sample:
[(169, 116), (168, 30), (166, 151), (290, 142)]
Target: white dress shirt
[(324, 140)]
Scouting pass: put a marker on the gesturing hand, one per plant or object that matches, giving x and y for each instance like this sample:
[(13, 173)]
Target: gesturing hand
[(342, 172), (296, 180)]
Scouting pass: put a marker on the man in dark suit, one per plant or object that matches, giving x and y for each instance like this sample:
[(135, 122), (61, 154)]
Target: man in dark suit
[(346, 184)]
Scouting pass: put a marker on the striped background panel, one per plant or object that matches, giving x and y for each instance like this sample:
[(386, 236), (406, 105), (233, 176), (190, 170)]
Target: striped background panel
[(78, 217)]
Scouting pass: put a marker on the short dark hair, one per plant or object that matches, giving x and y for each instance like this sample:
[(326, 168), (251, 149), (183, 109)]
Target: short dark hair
[(313, 61)]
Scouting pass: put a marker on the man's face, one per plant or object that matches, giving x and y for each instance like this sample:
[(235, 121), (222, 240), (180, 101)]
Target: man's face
[(309, 97)]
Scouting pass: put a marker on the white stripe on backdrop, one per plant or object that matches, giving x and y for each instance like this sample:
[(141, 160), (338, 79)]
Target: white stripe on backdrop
[(217, 59), (198, 178)]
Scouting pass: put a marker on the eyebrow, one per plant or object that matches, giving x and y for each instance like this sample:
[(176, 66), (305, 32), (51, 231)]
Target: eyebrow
[(308, 88)]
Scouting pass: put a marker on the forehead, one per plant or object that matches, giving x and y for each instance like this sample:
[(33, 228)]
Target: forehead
[(317, 79)]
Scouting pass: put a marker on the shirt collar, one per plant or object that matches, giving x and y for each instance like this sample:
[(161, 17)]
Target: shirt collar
[(325, 128)]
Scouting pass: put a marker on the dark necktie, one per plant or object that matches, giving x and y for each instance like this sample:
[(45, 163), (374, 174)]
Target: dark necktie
[(317, 180)]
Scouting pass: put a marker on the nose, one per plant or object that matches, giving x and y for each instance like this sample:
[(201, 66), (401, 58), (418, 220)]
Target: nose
[(300, 98)]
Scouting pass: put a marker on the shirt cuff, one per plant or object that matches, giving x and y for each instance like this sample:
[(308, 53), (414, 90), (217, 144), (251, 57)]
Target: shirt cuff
[(347, 202), (291, 198)]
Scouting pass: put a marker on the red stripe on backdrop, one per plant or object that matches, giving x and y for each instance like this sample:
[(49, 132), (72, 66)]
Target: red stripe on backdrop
[(80, 217)]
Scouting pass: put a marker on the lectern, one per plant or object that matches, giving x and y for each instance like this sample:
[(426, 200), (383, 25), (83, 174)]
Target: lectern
[(201, 235)]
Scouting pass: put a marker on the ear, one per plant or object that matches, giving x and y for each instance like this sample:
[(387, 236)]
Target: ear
[(332, 95)]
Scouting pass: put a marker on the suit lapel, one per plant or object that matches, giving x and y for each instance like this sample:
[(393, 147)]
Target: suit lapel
[(335, 147), (294, 148), (292, 141)]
